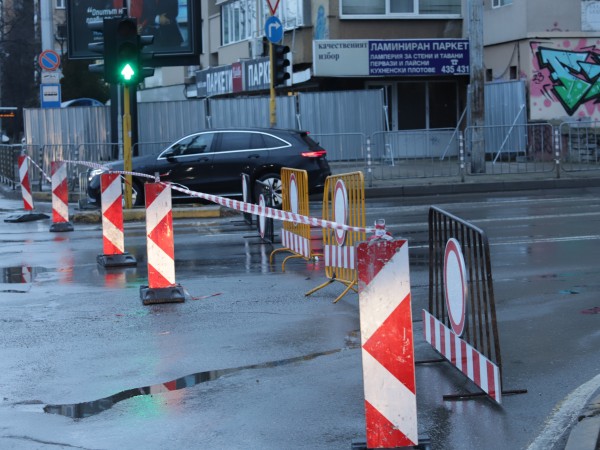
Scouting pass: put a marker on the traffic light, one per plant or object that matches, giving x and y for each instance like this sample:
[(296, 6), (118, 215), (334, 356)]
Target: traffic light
[(105, 46), (280, 64), (127, 68)]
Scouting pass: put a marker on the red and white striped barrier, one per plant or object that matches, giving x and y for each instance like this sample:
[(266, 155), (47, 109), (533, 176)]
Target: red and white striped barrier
[(28, 204), (479, 369), (160, 248), (60, 198), (387, 344), (340, 257), (25, 184), (113, 241)]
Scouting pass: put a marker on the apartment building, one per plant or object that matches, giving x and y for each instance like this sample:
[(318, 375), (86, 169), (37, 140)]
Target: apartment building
[(413, 49), (554, 45), (416, 50)]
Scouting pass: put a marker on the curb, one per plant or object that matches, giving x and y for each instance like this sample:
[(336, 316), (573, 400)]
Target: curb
[(131, 215), (416, 190), (585, 435)]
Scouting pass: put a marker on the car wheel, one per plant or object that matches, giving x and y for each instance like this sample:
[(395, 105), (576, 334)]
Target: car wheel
[(273, 182)]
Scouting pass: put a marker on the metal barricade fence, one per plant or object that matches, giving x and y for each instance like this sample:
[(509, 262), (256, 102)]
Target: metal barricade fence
[(342, 146), (296, 238), (481, 330), (579, 145), (344, 203), (515, 148), (9, 172), (414, 154)]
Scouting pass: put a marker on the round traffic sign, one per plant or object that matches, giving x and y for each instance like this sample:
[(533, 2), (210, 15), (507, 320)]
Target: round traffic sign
[(340, 210), (262, 220), (49, 60), (293, 195), (455, 286)]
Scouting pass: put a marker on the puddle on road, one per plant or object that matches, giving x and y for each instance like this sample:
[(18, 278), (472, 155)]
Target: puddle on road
[(19, 275), (87, 409)]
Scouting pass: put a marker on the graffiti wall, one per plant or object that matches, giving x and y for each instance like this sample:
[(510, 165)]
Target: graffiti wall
[(565, 79)]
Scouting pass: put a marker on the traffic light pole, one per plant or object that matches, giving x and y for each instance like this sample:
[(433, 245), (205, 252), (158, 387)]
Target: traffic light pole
[(127, 165), (272, 105)]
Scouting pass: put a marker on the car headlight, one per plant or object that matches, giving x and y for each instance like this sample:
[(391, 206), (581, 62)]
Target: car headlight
[(94, 173)]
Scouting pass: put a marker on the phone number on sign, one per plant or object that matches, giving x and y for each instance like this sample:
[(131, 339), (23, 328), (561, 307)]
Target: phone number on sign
[(455, 69)]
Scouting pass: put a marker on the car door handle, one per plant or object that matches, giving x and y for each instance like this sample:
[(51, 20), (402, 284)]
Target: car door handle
[(254, 156)]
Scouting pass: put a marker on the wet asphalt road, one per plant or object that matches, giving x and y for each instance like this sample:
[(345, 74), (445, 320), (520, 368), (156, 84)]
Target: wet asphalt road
[(75, 333)]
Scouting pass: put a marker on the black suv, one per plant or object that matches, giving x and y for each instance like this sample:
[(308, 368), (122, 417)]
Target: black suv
[(212, 162)]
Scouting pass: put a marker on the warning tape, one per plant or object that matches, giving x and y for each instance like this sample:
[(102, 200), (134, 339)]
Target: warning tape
[(237, 205)]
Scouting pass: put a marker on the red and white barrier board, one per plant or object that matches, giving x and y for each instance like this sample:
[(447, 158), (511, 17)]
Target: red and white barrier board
[(160, 247), (60, 198), (479, 369), (159, 231), (387, 344), (25, 183), (113, 240)]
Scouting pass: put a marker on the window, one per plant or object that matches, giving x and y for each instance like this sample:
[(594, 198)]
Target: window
[(235, 141), (60, 4), (394, 9), (427, 104), (238, 21), (239, 18), (498, 3), (273, 142)]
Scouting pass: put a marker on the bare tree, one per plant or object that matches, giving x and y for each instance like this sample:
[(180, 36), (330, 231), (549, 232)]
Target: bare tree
[(18, 49)]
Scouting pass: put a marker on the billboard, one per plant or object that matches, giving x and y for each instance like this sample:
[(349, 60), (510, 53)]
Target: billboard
[(175, 25)]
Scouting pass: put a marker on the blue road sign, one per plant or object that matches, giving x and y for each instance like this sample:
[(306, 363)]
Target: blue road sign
[(50, 95), (274, 29)]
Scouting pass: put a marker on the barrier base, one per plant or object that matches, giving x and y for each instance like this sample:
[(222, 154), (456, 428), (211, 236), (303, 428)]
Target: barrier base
[(424, 444), (151, 296), (120, 260), (26, 217), (59, 227)]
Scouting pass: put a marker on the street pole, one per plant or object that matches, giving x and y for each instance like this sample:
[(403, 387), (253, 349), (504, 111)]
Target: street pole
[(272, 106), (477, 86), (127, 165)]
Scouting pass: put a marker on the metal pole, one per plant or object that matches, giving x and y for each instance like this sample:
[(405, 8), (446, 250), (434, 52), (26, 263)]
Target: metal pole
[(272, 106), (127, 165), (477, 86)]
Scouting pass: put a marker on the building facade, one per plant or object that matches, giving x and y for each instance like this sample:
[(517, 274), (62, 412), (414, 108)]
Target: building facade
[(415, 50), (554, 45)]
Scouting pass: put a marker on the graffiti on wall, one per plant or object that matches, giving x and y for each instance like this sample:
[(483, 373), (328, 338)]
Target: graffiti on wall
[(565, 79)]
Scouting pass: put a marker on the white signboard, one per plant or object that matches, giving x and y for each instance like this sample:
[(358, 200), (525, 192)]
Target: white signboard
[(50, 95), (348, 58), (590, 16)]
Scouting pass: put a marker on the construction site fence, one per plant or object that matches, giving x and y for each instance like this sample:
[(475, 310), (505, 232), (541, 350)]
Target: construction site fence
[(543, 148)]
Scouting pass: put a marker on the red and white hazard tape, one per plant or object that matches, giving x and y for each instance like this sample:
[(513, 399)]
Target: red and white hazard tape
[(257, 210), (479, 369)]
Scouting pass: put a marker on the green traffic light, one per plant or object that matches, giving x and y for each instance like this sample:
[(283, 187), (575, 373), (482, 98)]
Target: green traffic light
[(127, 72)]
